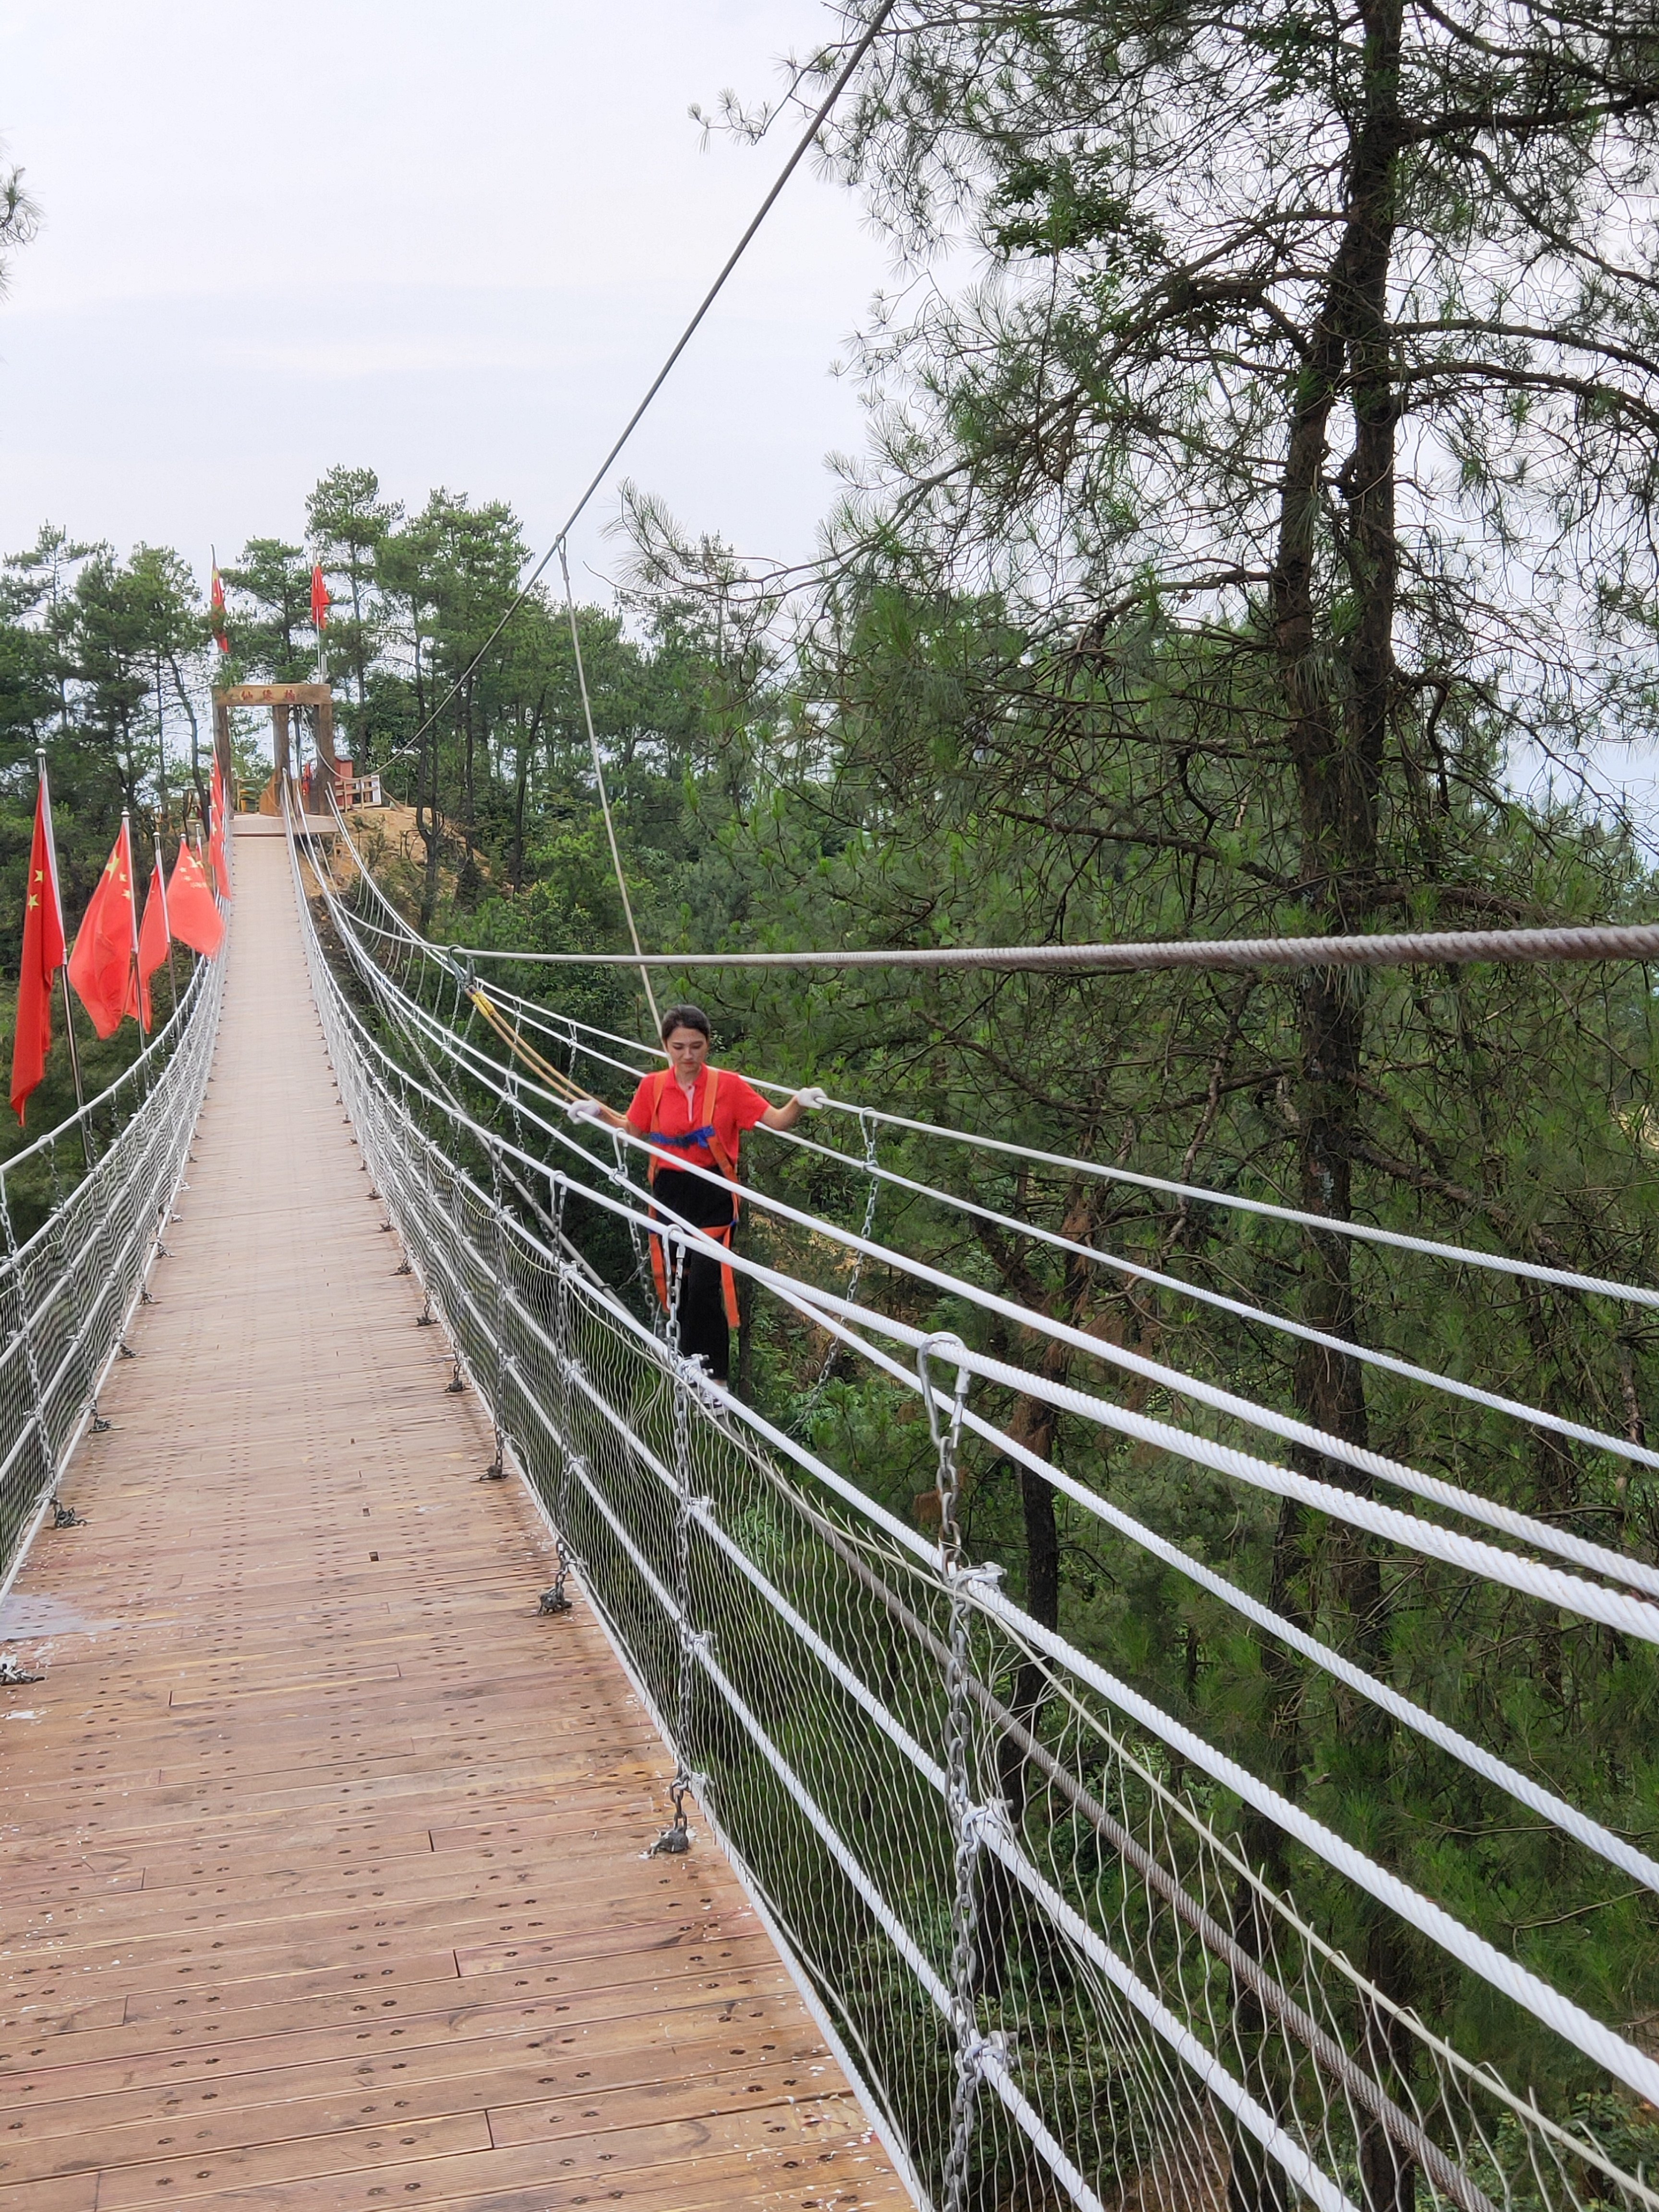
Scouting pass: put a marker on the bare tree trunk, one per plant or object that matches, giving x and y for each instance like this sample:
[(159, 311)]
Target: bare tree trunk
[(1337, 735)]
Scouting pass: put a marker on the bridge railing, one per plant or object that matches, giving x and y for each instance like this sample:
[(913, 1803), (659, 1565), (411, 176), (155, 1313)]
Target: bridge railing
[(1019, 1897), (68, 1288)]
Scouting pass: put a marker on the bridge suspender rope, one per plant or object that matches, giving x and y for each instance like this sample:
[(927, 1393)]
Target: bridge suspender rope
[(725, 1554)]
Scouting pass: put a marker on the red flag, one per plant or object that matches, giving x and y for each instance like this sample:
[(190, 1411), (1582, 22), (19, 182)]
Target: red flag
[(216, 832), (101, 965), (43, 956), (154, 935), (220, 637), (318, 600), (191, 915)]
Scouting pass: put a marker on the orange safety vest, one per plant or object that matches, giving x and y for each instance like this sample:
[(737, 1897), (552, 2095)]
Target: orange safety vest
[(728, 1168)]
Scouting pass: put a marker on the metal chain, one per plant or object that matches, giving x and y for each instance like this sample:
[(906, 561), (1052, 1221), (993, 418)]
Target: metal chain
[(676, 1838), (556, 1600), (972, 2050), (642, 1256)]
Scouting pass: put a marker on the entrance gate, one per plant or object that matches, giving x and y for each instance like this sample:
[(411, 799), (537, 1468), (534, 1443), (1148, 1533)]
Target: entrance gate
[(288, 704)]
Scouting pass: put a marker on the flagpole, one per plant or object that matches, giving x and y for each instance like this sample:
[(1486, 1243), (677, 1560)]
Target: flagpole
[(63, 974), (166, 922), (132, 893)]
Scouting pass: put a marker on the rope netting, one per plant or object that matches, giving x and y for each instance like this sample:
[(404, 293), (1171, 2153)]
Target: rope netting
[(70, 1285), (1072, 1950)]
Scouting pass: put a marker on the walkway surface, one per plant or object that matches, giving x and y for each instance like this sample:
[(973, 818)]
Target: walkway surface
[(320, 1872)]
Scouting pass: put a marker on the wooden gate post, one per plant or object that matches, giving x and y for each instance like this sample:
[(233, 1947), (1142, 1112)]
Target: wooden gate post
[(328, 764)]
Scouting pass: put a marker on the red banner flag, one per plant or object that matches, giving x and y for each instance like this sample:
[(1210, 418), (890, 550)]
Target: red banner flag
[(101, 965), (216, 833), (43, 956), (320, 600), (221, 636), (154, 937), (191, 915)]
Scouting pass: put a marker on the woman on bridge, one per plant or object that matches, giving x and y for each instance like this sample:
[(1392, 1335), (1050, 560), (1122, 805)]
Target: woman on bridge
[(695, 1116)]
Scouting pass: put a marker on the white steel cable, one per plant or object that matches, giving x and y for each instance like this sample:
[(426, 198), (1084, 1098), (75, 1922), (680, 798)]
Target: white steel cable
[(1570, 2022), (1515, 1409), (1592, 1833), (1638, 1619), (1365, 1232)]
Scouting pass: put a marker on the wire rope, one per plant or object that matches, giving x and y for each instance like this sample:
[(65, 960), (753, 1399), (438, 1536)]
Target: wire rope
[(1445, 947), (826, 108)]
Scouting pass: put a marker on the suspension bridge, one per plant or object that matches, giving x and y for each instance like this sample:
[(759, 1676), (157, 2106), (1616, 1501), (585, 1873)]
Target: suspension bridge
[(454, 1750)]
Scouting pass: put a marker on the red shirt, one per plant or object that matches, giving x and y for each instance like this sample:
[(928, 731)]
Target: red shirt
[(738, 1106)]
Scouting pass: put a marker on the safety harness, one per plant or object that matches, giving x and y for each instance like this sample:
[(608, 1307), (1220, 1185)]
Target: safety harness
[(728, 1167)]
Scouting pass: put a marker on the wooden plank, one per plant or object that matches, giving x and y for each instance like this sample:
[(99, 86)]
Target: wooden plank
[(321, 1874)]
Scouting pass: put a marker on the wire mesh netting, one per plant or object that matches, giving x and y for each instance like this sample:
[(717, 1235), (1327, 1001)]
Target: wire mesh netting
[(1061, 1939), (68, 1289)]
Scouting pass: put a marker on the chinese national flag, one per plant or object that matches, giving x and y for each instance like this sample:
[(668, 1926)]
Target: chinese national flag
[(43, 956), (191, 915), (318, 600), (221, 637), (154, 937), (101, 965), (216, 832)]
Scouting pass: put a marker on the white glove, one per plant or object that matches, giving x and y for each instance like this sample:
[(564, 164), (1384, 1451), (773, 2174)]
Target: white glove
[(584, 1109), (812, 1098)]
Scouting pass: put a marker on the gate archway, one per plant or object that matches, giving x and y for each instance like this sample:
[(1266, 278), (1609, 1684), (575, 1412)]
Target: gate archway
[(290, 703)]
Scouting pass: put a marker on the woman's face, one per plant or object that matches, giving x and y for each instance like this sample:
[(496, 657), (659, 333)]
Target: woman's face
[(687, 1051)]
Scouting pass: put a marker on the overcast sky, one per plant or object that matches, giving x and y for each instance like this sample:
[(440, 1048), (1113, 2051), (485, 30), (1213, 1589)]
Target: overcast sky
[(452, 242)]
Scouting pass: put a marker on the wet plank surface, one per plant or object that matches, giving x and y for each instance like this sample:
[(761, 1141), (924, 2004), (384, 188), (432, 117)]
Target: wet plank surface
[(320, 1872)]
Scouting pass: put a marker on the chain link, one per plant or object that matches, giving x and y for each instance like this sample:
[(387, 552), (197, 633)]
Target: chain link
[(677, 1838), (965, 1817), (557, 1600)]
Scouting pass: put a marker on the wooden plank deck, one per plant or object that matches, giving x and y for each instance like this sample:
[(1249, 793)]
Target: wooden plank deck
[(320, 1872)]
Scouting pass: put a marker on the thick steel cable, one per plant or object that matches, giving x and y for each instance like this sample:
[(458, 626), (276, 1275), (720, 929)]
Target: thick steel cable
[(1593, 1834), (1449, 947)]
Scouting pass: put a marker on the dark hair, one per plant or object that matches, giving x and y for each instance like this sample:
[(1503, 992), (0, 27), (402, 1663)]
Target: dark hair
[(685, 1018)]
